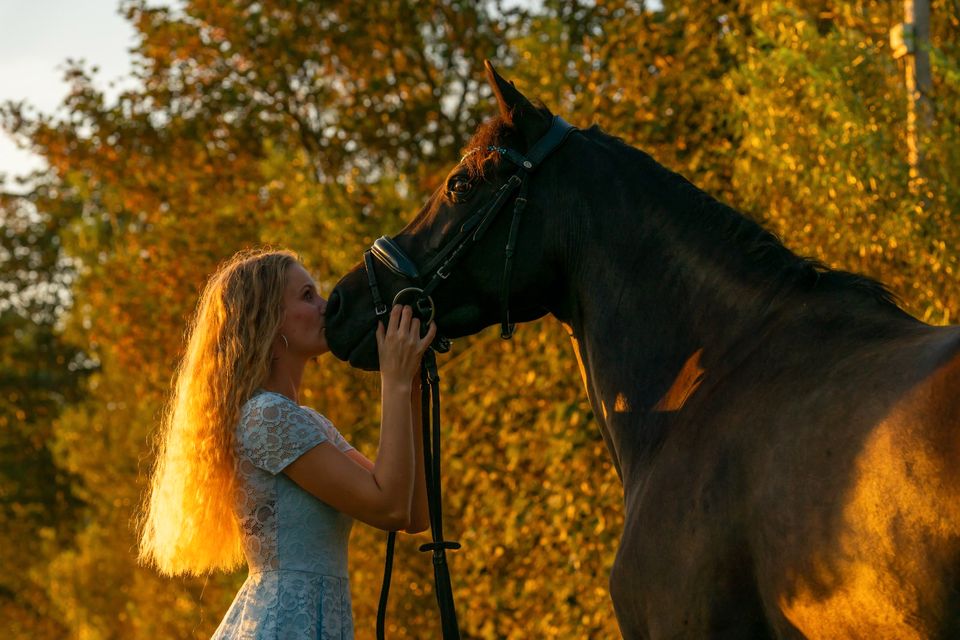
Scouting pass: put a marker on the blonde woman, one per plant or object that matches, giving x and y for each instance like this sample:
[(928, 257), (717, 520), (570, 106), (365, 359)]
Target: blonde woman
[(245, 471)]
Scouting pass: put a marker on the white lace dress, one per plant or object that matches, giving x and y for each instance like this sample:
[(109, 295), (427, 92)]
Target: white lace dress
[(295, 545)]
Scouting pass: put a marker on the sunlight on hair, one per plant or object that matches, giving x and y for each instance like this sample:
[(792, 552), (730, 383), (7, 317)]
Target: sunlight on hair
[(187, 524)]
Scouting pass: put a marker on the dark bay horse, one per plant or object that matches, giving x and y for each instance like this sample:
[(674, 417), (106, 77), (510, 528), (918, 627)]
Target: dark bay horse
[(787, 437)]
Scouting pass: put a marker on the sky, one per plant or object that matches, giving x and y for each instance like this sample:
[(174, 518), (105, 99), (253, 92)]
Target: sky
[(36, 38)]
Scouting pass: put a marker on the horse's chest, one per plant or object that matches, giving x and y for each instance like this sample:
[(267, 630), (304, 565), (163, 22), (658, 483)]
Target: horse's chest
[(680, 555)]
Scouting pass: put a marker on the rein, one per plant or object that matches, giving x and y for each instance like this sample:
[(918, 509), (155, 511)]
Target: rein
[(430, 423), (386, 251)]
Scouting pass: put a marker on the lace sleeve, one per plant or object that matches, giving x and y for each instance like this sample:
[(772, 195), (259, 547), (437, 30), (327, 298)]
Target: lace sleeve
[(333, 435), (274, 431)]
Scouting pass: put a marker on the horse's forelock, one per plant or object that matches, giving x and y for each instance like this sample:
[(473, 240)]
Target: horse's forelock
[(490, 134), (494, 132)]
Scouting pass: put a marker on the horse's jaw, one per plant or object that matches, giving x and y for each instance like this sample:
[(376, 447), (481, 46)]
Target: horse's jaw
[(364, 354), (464, 320)]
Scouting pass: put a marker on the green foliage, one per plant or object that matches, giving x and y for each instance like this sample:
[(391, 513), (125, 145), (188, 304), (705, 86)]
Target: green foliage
[(40, 375), (320, 126), (822, 159)]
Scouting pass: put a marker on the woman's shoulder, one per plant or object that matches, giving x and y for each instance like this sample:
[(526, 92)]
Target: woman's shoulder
[(272, 406), (267, 406), (268, 413), (317, 415), (274, 431), (262, 397)]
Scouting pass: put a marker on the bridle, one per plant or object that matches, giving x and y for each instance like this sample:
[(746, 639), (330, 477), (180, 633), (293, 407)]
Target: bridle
[(426, 279), (422, 283)]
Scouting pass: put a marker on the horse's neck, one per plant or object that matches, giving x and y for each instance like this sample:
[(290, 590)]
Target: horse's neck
[(648, 315), (669, 292)]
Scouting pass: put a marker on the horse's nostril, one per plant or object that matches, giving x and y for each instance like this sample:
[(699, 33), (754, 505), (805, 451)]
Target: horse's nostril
[(333, 304)]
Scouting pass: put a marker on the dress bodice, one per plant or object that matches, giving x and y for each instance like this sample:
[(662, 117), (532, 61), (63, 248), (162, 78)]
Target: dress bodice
[(295, 544), (284, 527)]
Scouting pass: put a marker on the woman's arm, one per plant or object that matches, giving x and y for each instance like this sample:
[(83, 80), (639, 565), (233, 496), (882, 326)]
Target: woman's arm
[(419, 513), (344, 482), (382, 495)]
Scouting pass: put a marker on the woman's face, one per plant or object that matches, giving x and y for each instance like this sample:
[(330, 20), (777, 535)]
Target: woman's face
[(303, 321)]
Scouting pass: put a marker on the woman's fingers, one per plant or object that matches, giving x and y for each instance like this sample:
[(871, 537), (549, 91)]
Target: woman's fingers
[(428, 337), (394, 322), (406, 315), (400, 341), (381, 332)]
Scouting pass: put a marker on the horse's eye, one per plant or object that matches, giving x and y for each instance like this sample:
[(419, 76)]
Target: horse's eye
[(458, 187)]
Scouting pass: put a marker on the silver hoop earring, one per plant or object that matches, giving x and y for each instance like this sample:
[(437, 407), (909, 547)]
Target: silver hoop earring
[(285, 343)]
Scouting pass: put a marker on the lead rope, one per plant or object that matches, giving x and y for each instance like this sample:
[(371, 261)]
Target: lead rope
[(439, 546), (430, 416), (385, 589)]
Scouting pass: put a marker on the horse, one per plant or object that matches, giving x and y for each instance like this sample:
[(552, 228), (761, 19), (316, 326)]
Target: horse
[(787, 437)]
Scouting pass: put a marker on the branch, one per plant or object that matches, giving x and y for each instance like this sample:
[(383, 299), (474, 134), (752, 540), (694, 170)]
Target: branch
[(15, 196)]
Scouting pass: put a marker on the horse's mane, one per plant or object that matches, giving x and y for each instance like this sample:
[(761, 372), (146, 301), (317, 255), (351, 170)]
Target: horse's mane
[(766, 250)]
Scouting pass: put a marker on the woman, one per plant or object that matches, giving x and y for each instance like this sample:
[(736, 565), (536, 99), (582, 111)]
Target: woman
[(243, 470)]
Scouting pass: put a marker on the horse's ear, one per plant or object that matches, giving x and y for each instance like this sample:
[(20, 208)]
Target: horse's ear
[(515, 108)]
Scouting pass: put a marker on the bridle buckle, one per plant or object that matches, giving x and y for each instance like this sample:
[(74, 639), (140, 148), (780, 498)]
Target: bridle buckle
[(423, 304)]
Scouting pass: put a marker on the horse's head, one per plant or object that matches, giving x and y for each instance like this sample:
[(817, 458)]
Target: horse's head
[(489, 245)]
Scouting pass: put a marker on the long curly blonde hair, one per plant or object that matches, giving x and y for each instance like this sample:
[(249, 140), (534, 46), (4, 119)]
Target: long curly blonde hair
[(187, 523)]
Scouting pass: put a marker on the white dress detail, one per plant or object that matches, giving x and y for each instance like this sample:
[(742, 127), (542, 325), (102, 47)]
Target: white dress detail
[(295, 545)]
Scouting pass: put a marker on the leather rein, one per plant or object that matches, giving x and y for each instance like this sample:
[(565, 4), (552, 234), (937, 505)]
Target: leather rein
[(423, 283)]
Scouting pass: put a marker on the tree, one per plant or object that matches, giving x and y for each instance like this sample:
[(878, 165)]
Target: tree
[(320, 126), (824, 157), (40, 374)]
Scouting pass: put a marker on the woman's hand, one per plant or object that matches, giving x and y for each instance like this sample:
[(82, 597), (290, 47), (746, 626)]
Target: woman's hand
[(386, 492), (399, 345)]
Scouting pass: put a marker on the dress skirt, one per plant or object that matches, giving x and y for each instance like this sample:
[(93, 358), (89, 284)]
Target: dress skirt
[(289, 605)]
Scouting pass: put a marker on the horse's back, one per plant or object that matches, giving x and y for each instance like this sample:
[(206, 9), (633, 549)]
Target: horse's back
[(809, 493), (884, 560)]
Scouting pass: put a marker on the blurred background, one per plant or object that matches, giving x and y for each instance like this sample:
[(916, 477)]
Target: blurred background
[(213, 125)]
